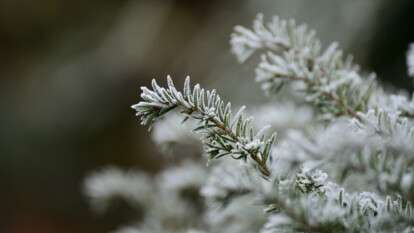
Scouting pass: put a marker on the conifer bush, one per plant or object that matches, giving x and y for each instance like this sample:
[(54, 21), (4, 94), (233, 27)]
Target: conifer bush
[(333, 151)]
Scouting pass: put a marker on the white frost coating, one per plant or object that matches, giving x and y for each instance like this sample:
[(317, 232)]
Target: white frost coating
[(245, 41), (394, 103), (293, 57), (277, 223), (344, 161)]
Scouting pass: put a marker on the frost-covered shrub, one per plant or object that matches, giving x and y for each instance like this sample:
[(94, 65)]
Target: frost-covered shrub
[(343, 160)]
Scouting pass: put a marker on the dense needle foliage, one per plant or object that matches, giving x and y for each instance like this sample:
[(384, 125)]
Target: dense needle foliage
[(343, 160)]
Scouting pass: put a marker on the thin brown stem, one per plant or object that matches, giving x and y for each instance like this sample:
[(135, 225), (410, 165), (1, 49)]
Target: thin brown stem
[(254, 155)]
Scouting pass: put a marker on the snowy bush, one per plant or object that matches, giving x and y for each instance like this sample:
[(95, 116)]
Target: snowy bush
[(342, 160)]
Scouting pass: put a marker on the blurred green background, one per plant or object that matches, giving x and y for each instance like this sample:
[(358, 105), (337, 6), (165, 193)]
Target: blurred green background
[(69, 70)]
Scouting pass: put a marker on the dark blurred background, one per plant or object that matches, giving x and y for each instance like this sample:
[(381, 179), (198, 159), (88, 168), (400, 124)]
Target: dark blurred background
[(69, 70)]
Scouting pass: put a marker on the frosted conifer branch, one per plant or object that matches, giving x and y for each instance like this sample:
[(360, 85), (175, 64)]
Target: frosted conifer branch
[(297, 195), (390, 140), (276, 36), (294, 56), (323, 206), (223, 133), (400, 104), (378, 145)]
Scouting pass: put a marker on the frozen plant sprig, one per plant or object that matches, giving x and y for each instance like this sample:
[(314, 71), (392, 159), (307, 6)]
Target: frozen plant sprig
[(278, 35), (311, 203), (293, 55), (400, 104), (223, 133), (379, 145)]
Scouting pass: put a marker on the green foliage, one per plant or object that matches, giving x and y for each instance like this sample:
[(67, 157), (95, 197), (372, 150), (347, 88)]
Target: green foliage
[(350, 174), (224, 134)]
